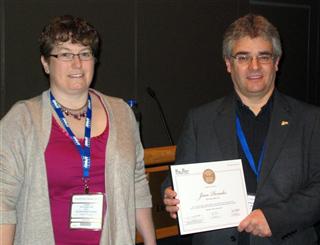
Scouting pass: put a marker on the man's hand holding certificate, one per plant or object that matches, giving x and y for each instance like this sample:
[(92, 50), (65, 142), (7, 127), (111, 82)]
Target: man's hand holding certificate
[(212, 195)]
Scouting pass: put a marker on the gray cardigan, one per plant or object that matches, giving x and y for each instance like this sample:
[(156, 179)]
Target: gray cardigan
[(24, 195)]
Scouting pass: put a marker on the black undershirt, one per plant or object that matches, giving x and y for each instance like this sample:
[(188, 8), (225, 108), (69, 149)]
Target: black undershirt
[(255, 129)]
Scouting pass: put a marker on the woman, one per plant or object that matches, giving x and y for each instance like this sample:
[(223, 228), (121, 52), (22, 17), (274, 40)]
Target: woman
[(72, 169)]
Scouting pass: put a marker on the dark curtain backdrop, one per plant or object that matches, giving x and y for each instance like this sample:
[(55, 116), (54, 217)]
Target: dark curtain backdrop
[(172, 46)]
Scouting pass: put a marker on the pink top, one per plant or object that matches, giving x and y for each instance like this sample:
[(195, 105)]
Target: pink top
[(64, 173)]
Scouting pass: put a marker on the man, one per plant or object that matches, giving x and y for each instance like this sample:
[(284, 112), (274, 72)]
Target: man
[(283, 143)]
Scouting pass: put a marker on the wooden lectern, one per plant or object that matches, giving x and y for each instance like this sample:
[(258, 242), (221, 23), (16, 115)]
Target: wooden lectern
[(157, 161)]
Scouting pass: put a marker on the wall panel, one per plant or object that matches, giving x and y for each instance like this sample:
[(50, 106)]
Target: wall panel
[(298, 29)]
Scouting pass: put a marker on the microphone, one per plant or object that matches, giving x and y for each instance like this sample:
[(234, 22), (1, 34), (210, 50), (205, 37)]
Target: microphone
[(163, 118)]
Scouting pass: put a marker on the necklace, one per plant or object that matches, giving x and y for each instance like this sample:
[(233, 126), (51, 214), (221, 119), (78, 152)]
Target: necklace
[(75, 113)]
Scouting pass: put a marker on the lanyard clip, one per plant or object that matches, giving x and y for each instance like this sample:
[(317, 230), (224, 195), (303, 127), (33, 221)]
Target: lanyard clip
[(86, 185)]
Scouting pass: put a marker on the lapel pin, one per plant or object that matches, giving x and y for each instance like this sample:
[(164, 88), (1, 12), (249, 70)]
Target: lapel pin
[(284, 123)]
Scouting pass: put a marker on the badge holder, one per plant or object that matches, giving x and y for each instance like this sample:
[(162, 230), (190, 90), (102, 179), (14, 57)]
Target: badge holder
[(86, 211)]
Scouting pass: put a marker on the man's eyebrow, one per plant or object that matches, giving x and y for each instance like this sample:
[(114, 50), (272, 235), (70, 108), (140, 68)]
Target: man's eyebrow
[(248, 53), (265, 52), (242, 52)]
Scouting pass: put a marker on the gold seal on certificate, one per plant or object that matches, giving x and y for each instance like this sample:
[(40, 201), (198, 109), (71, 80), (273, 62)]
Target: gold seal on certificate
[(208, 176), (212, 195)]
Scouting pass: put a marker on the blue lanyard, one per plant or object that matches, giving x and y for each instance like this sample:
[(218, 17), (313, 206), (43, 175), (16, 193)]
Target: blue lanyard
[(84, 151), (247, 152)]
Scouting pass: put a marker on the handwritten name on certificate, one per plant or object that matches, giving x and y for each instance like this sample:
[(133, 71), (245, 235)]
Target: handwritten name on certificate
[(212, 195)]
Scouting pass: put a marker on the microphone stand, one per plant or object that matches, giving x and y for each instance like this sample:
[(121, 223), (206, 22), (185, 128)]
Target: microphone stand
[(163, 118)]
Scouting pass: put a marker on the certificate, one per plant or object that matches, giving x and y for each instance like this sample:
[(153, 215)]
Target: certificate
[(212, 195)]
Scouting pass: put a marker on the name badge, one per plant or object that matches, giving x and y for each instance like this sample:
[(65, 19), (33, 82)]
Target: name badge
[(251, 199), (86, 211)]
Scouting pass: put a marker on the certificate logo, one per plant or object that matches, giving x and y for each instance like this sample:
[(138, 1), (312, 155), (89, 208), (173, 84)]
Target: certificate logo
[(209, 176)]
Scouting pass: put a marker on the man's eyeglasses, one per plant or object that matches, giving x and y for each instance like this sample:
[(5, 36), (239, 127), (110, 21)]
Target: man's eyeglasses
[(245, 59), (83, 56)]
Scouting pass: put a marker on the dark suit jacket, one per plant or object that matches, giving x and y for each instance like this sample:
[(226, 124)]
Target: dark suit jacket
[(288, 190)]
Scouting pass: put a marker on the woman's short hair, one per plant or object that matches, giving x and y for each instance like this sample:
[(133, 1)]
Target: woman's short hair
[(252, 26), (68, 28)]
